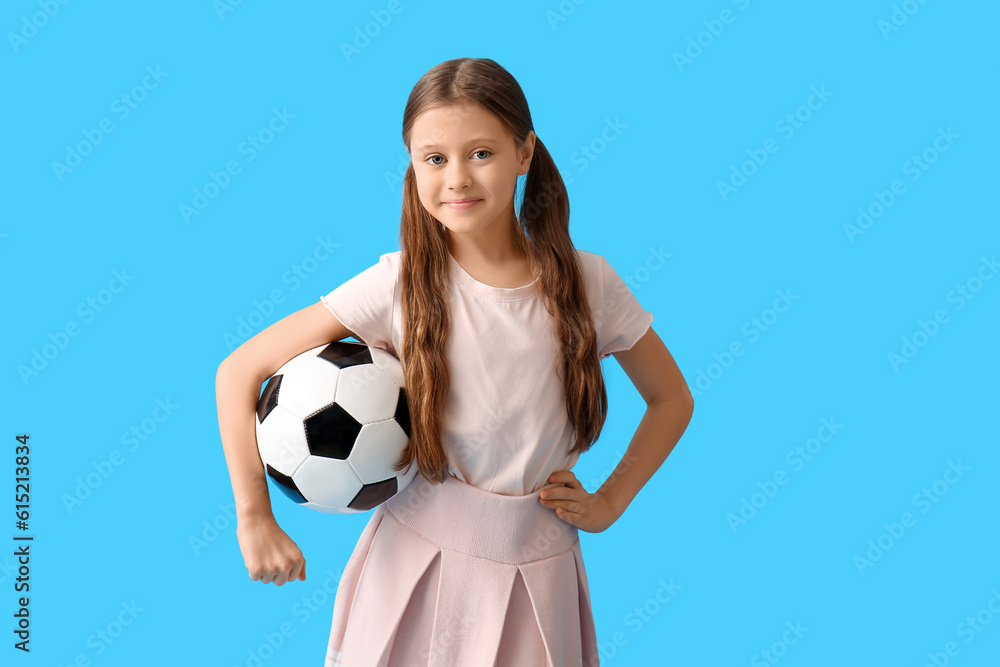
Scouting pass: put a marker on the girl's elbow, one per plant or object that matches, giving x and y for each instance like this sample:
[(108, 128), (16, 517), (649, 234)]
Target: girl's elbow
[(229, 367)]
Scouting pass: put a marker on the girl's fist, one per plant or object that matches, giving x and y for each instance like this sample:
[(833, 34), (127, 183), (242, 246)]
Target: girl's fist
[(268, 553)]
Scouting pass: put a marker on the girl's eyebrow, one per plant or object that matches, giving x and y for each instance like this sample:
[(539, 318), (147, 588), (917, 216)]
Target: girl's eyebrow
[(476, 140)]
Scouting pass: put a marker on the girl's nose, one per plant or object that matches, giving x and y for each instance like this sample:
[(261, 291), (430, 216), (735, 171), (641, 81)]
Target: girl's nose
[(458, 176)]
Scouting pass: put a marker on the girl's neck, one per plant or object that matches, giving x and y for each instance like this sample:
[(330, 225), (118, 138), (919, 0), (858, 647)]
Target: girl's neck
[(494, 253), (505, 266)]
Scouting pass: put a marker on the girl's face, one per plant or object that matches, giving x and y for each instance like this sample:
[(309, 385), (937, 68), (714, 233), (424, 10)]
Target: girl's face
[(463, 152)]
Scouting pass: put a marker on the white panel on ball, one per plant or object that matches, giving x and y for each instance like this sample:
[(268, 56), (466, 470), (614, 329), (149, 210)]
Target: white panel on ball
[(367, 393), (376, 444), (327, 481), (281, 441), (389, 364), (312, 388), (296, 362)]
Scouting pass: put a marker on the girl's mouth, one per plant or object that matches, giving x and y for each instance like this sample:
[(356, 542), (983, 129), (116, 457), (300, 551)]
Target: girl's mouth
[(462, 204)]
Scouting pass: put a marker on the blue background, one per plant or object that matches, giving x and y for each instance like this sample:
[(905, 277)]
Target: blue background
[(332, 175)]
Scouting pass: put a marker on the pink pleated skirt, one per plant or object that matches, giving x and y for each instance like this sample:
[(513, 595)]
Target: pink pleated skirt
[(452, 575)]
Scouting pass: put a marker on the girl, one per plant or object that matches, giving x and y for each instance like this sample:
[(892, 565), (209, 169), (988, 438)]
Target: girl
[(500, 325)]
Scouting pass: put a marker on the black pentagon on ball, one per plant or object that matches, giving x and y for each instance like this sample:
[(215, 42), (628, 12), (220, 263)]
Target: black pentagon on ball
[(371, 495), (402, 415), (268, 398), (344, 354), (286, 485), (331, 432)]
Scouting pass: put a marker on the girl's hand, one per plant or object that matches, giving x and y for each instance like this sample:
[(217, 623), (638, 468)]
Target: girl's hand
[(268, 553), (591, 512)]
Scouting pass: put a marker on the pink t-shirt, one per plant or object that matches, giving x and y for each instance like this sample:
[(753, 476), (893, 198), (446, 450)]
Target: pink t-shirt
[(505, 425)]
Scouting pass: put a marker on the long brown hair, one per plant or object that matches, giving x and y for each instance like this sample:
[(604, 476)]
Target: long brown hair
[(541, 232)]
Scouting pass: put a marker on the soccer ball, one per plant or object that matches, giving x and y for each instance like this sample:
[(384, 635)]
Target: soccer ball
[(331, 423)]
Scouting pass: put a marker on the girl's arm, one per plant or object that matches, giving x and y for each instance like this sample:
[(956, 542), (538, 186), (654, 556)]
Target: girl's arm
[(237, 387), (266, 550), (669, 406)]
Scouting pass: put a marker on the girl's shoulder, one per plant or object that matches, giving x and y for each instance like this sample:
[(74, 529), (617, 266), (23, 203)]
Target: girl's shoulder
[(588, 258), (389, 263), (394, 258), (592, 264)]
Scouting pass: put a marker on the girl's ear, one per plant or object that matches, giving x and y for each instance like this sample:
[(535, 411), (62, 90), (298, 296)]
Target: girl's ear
[(527, 150)]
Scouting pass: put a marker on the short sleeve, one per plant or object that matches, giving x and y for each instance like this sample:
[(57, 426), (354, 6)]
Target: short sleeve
[(364, 304), (619, 319)]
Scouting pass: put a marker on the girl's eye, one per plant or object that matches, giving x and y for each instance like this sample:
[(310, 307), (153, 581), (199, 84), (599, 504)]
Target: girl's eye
[(437, 156)]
